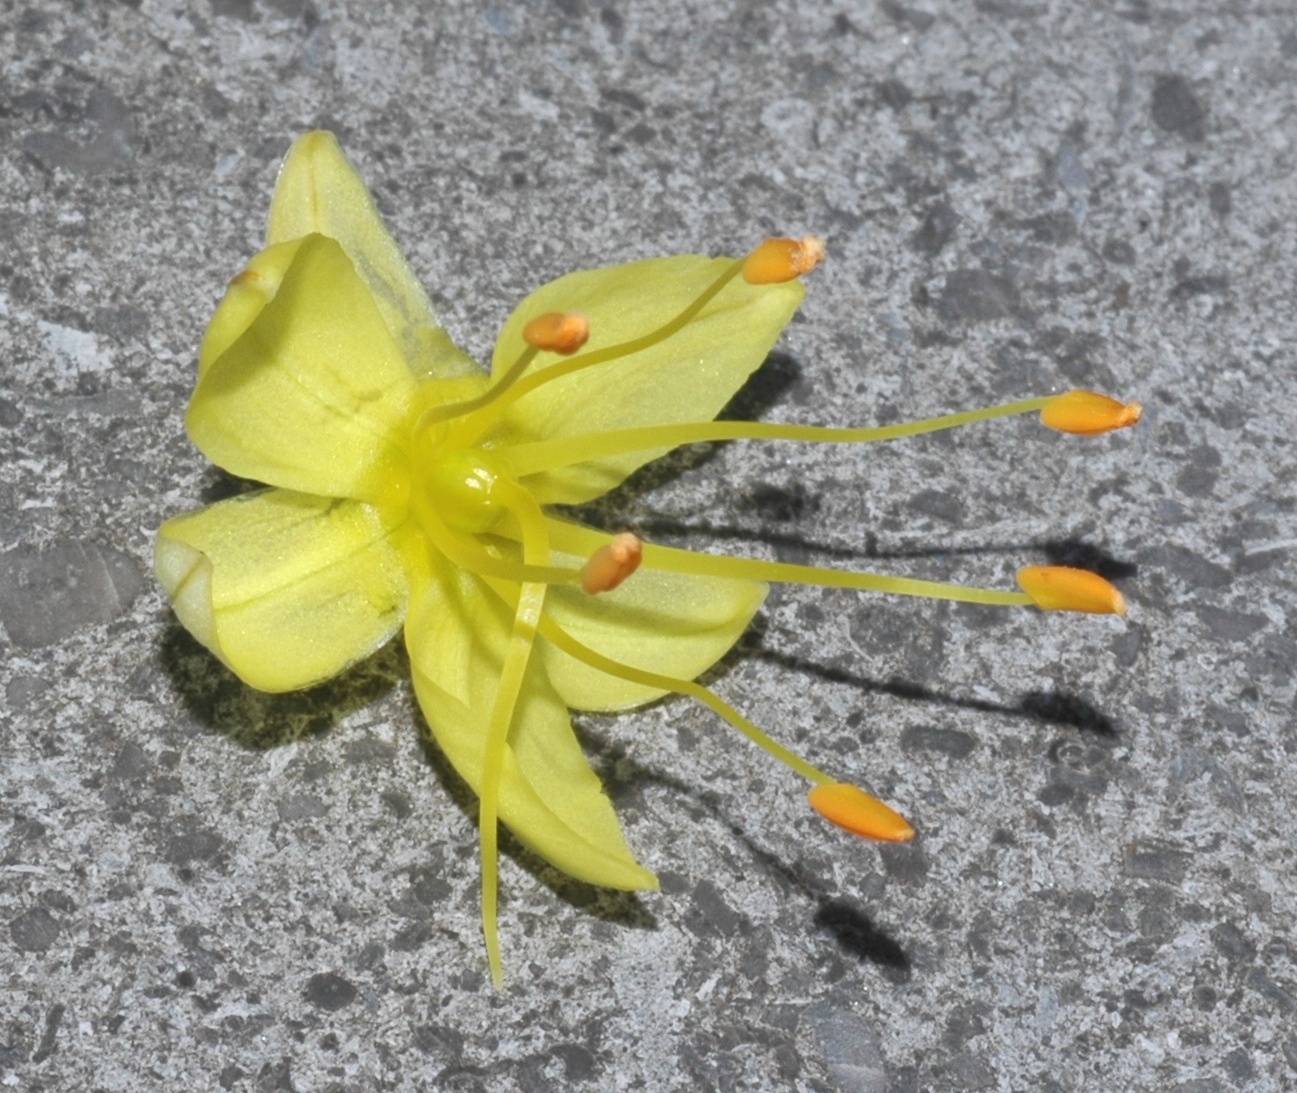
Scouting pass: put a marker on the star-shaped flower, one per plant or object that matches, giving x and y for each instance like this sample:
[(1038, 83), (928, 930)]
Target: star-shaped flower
[(408, 487)]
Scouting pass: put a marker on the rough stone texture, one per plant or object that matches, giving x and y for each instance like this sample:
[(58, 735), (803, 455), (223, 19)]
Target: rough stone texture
[(205, 887)]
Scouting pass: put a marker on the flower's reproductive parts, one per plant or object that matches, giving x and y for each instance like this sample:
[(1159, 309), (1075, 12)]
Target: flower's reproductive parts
[(406, 487)]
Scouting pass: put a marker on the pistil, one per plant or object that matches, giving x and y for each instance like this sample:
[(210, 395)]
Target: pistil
[(531, 601)]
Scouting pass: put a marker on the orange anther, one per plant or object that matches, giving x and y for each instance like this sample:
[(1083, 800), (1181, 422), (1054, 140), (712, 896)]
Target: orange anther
[(778, 260), (1062, 588), (558, 331), (611, 564), (859, 813), (1088, 413)]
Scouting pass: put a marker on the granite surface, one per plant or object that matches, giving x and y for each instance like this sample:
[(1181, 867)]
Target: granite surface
[(203, 887)]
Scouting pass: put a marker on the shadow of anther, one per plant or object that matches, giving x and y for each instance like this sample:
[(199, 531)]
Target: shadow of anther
[(1064, 709), (852, 929), (764, 390), (1082, 555), (1049, 707)]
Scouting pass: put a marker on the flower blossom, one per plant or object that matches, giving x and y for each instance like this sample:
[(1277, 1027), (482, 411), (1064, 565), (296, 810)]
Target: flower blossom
[(408, 488)]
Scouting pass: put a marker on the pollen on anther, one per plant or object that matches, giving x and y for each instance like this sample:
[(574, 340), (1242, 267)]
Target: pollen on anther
[(856, 811), (613, 563), (1063, 588), (779, 260), (1088, 413), (557, 331)]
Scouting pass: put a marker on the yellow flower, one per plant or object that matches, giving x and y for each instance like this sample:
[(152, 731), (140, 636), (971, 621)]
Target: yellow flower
[(409, 487)]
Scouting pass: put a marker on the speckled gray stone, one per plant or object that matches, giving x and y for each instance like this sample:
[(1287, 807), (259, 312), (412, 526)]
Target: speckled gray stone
[(202, 887)]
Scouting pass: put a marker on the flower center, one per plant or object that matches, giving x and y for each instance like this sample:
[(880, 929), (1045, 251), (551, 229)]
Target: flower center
[(468, 488)]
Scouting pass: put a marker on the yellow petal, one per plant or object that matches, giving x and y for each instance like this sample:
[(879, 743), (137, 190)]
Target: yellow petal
[(549, 797), (245, 296), (314, 395), (287, 589), (668, 623), (687, 377), (319, 191)]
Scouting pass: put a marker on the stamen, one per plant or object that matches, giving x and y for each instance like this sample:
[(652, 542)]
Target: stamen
[(561, 639), (613, 563), (1087, 413), (445, 412), (573, 539), (546, 455), (467, 553), (838, 802), (859, 813), (557, 331), (505, 394), (779, 260), (1062, 588)]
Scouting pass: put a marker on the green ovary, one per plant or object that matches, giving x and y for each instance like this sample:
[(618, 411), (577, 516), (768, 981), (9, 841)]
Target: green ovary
[(466, 487)]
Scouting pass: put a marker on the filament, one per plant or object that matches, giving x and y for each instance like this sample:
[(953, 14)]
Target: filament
[(503, 395), (574, 539), (558, 637), (562, 640), (445, 412), (467, 553), (546, 455)]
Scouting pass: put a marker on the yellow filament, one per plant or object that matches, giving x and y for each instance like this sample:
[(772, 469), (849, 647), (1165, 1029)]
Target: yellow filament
[(467, 553), (568, 644), (501, 395), (436, 414), (572, 539), (546, 455), (561, 639), (531, 600)]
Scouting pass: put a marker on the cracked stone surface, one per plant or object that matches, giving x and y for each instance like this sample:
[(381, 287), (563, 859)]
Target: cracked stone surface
[(206, 887)]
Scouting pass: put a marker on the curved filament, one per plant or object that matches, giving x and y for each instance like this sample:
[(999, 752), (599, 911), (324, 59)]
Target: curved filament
[(503, 395), (547, 455), (573, 539)]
